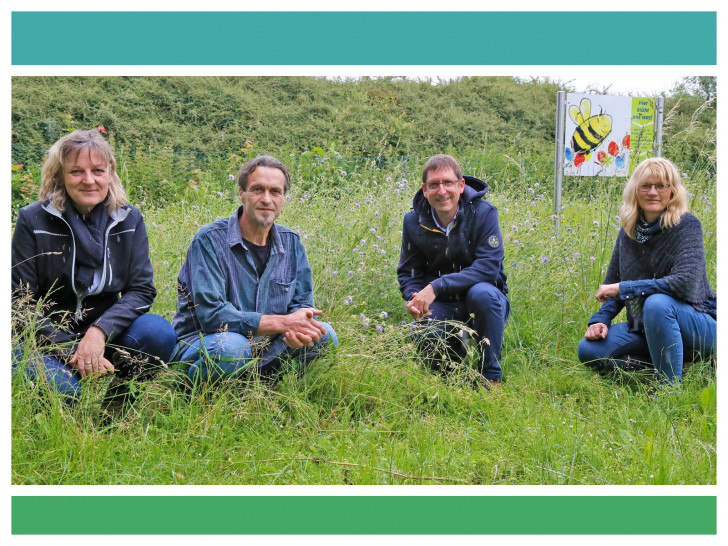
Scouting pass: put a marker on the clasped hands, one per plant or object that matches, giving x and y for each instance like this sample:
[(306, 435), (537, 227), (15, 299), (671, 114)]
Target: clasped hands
[(301, 329), (419, 305), (88, 360)]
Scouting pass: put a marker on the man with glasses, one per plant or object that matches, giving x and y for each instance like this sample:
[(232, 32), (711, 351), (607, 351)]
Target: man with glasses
[(451, 268), (245, 292)]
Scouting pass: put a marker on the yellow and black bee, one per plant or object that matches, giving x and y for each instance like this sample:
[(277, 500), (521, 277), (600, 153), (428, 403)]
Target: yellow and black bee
[(590, 131)]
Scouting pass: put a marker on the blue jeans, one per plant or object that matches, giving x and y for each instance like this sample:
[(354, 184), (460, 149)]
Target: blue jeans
[(674, 333), (490, 309), (147, 335), (215, 356)]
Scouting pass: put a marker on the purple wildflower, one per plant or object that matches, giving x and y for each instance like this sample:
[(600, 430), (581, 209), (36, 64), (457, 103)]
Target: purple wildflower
[(544, 259), (379, 328)]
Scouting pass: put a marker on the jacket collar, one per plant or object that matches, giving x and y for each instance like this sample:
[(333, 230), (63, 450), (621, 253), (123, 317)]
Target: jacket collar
[(117, 216), (234, 237)]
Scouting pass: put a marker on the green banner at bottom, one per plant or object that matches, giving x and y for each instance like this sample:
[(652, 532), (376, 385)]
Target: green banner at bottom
[(325, 515)]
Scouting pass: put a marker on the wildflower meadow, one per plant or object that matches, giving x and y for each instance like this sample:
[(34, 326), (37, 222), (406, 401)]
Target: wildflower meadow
[(369, 411)]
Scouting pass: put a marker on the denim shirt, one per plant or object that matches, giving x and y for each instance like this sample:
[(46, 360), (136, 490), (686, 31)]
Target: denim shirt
[(219, 289)]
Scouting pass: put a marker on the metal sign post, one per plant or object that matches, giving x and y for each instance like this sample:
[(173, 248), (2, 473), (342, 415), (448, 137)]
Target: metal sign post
[(559, 156), (659, 117)]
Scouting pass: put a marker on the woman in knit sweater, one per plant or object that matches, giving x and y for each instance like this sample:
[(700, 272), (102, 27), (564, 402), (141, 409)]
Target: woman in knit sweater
[(657, 272)]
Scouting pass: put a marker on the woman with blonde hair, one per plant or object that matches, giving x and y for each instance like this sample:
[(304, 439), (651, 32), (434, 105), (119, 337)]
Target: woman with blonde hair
[(657, 272), (83, 250)]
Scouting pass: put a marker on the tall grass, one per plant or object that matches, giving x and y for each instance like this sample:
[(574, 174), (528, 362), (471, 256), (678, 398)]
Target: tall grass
[(368, 412)]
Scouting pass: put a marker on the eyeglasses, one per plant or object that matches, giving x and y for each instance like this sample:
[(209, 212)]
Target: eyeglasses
[(661, 187), (447, 184)]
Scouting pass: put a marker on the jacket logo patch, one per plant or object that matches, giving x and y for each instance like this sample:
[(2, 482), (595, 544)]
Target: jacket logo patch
[(493, 241)]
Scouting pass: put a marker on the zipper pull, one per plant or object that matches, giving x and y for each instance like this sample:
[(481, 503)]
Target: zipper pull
[(79, 312)]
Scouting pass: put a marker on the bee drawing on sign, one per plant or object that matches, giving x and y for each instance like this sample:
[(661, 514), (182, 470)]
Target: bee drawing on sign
[(590, 131)]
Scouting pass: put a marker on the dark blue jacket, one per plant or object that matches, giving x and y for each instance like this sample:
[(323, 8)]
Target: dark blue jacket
[(472, 253), (44, 257)]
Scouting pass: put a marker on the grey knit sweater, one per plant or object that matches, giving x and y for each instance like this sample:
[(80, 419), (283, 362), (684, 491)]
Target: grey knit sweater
[(672, 262)]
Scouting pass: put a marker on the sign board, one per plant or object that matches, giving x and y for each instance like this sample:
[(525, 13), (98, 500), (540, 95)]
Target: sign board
[(607, 135)]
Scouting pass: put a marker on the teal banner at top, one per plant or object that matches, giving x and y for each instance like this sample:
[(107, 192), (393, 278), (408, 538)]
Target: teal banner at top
[(362, 38)]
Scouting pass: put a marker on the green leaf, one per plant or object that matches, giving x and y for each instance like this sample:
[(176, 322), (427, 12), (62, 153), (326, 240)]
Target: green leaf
[(705, 398)]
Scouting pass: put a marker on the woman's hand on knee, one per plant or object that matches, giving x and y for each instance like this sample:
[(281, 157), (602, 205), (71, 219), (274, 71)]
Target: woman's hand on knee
[(89, 356), (598, 330), (607, 291)]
